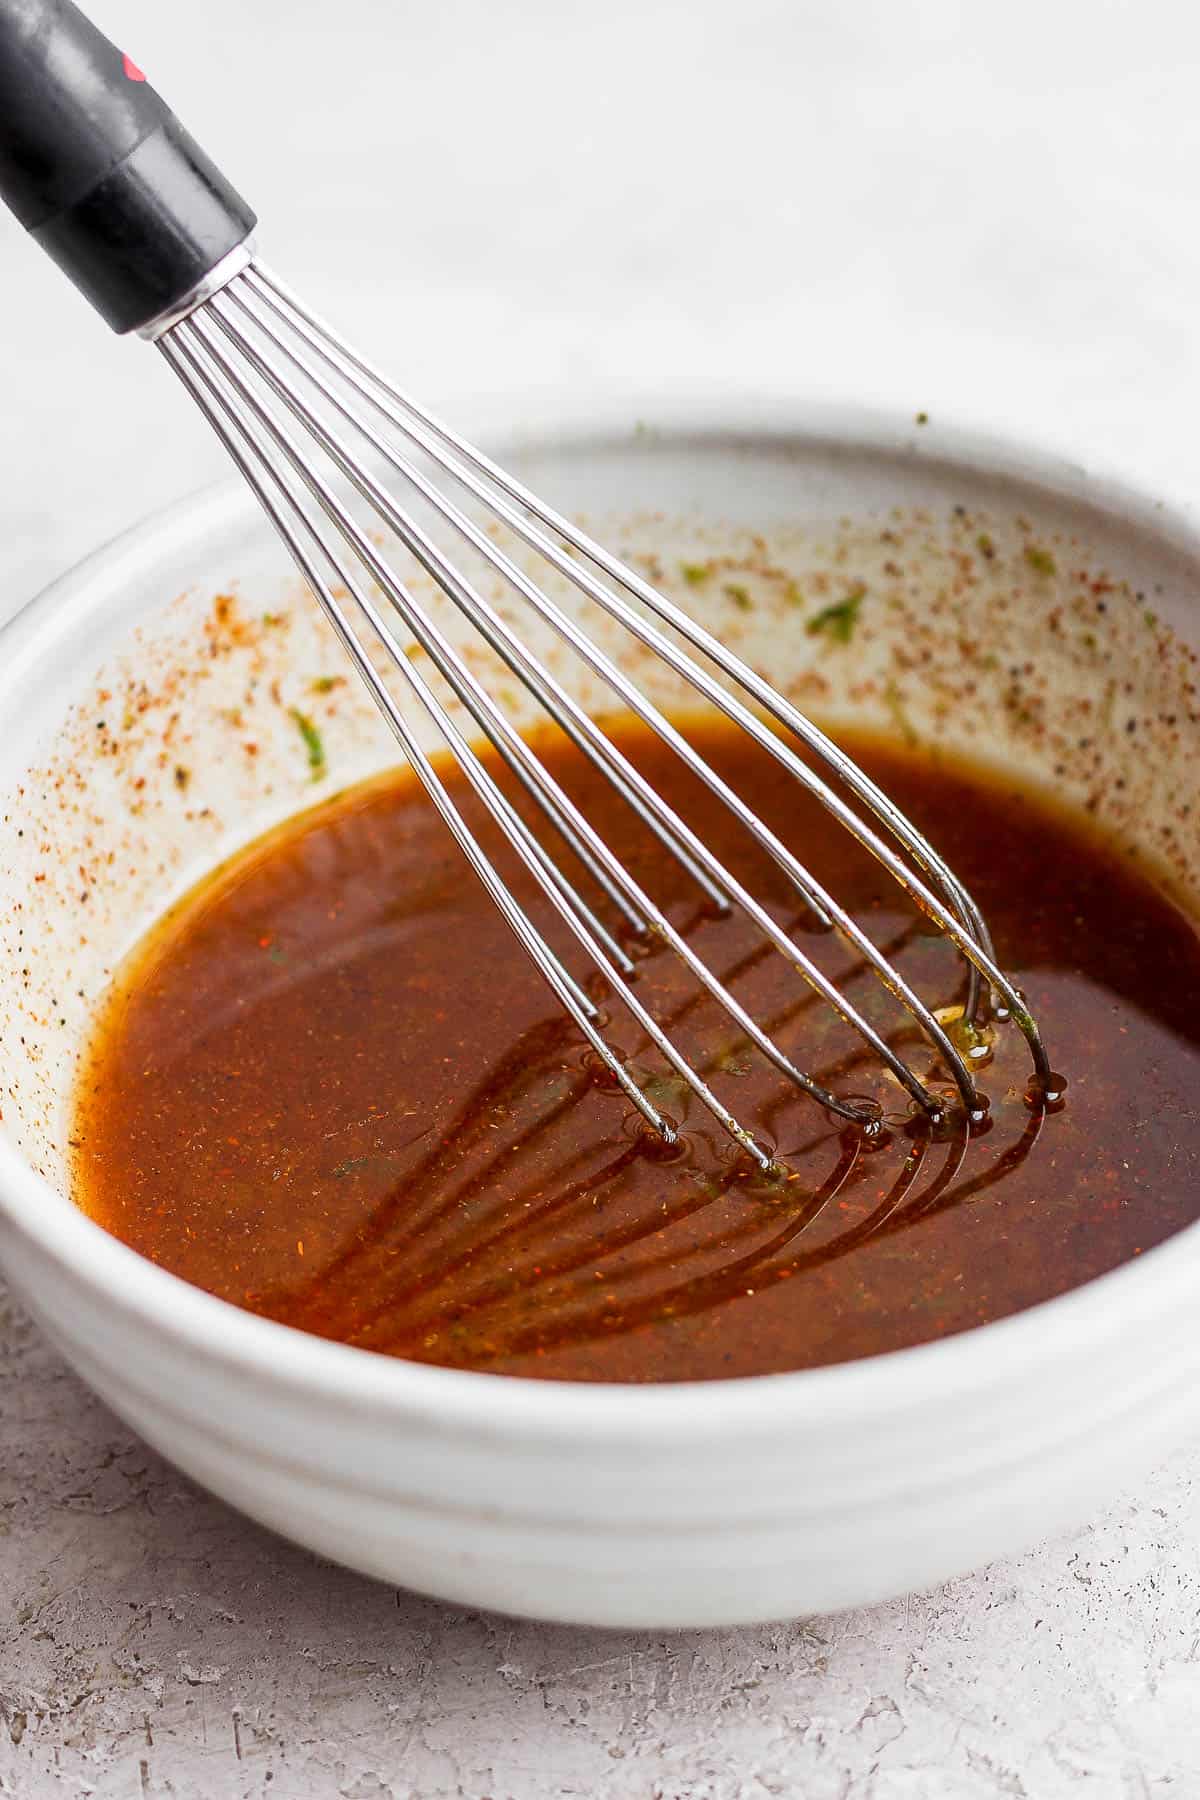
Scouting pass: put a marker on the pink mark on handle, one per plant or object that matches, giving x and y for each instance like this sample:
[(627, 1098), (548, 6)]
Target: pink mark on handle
[(132, 72)]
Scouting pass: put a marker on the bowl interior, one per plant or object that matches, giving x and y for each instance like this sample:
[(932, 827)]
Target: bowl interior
[(154, 702)]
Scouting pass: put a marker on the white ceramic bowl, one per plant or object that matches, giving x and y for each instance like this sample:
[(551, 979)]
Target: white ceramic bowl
[(692, 1504)]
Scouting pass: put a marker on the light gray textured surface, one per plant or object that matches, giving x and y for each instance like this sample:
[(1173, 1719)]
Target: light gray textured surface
[(922, 203)]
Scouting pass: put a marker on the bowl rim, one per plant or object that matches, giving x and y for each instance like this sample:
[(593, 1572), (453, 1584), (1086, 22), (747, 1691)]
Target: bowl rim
[(470, 1402)]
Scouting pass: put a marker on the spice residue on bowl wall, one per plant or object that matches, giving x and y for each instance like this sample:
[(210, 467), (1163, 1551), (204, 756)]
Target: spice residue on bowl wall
[(329, 1088), (183, 742)]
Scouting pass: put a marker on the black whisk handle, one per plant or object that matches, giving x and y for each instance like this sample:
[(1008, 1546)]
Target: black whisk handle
[(101, 173)]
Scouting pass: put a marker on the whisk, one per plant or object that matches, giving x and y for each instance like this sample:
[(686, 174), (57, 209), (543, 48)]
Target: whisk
[(104, 177)]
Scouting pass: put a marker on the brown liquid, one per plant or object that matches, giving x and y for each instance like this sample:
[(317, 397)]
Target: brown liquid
[(330, 1088)]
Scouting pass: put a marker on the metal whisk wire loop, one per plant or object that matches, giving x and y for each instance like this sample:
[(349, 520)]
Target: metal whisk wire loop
[(303, 416)]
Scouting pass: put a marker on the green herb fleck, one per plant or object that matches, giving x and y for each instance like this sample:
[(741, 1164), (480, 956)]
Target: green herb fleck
[(325, 684), (666, 1090), (1023, 1021), (792, 594), (274, 618), (313, 741), (1151, 619), (340, 1172), (895, 706), (733, 590), (985, 546), (695, 573), (381, 1162), (1040, 560), (922, 418), (838, 621)]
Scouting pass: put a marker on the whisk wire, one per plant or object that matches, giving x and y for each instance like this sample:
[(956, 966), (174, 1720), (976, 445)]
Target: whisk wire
[(467, 464), (471, 693), (450, 580), (463, 594), (233, 353)]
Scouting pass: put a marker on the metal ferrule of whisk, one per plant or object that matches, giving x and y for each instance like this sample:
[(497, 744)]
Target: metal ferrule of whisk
[(307, 420)]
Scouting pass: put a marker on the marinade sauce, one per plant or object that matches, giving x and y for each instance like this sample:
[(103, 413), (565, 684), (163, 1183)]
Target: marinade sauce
[(330, 1088)]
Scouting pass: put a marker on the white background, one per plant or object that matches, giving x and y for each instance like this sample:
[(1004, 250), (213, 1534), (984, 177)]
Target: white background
[(985, 211), (988, 211)]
